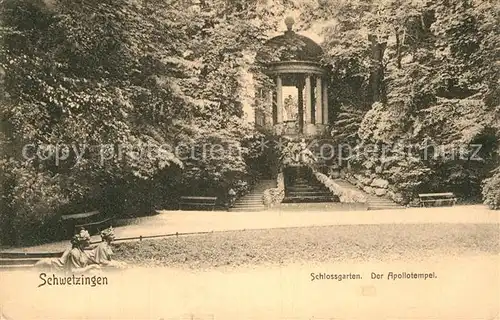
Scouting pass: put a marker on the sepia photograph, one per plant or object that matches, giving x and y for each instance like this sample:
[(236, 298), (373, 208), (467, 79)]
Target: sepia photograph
[(250, 159)]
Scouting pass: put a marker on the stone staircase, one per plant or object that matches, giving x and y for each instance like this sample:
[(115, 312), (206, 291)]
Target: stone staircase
[(374, 202), (22, 260), (19, 263), (253, 201), (304, 188)]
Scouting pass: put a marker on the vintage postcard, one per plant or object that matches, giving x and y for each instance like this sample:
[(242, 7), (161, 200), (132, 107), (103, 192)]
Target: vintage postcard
[(250, 159)]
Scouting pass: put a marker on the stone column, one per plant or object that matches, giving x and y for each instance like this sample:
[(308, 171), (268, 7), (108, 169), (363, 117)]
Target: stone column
[(300, 102), (279, 100), (325, 102), (307, 99), (319, 105), (270, 103)]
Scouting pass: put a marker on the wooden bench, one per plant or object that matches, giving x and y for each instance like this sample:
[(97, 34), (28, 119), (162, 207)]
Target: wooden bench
[(69, 221), (79, 216), (437, 199), (92, 221), (95, 227), (197, 202)]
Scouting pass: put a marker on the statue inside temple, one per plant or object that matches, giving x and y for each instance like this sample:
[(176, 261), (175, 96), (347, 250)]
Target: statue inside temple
[(291, 107)]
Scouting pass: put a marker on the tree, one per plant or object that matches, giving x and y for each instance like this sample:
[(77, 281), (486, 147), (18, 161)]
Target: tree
[(432, 71), (125, 83)]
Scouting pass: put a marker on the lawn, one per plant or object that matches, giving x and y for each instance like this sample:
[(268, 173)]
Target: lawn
[(314, 244)]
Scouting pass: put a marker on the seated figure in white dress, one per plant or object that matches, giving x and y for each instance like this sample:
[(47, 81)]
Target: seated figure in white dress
[(102, 255)]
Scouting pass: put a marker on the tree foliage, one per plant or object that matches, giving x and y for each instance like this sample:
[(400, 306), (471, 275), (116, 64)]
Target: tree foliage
[(416, 73), (138, 87)]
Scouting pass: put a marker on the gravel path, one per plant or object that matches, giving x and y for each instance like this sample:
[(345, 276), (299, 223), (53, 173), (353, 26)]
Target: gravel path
[(170, 222), (357, 243)]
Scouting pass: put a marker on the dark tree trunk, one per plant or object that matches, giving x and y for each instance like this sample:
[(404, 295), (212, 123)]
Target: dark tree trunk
[(398, 49), (377, 75)]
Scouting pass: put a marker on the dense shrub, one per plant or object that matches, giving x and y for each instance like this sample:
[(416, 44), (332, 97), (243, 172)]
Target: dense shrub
[(491, 190), (31, 211), (120, 80), (428, 77)]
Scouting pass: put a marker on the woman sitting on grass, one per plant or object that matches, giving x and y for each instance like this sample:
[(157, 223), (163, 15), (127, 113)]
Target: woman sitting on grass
[(79, 258), (54, 264), (102, 254), (79, 261)]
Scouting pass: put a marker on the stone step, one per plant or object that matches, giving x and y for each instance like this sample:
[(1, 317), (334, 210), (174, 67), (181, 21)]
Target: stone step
[(308, 194), (248, 209), (303, 201), (305, 188), (376, 198), (383, 203), (388, 203), (39, 255), (301, 187), (307, 184), (251, 199), (380, 199), (249, 205), (383, 206), (308, 190), (308, 199), (18, 261), (15, 267)]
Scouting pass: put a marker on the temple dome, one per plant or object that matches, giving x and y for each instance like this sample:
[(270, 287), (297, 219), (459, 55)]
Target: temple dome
[(289, 46)]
